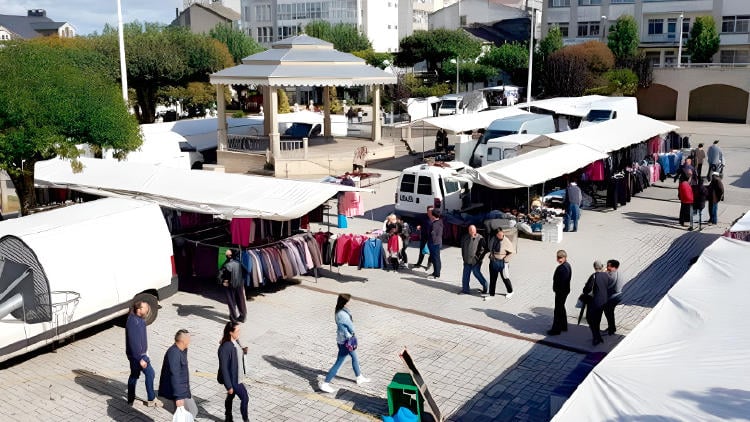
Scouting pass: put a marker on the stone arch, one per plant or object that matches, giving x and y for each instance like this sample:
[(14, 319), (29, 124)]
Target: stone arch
[(718, 103), (658, 102)]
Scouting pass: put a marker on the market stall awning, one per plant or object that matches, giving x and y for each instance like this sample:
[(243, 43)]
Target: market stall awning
[(535, 167), (742, 225), (464, 122), (688, 359), (569, 106), (615, 134), (224, 194)]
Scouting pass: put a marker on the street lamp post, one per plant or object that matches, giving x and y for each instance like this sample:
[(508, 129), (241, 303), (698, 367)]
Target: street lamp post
[(121, 39), (458, 3), (531, 58), (679, 48), (604, 28)]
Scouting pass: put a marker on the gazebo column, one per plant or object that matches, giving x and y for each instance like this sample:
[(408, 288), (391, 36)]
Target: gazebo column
[(326, 111), (221, 121), (271, 120), (375, 113)]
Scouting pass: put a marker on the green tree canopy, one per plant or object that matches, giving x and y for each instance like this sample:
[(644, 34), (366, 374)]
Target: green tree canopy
[(379, 60), (51, 99), (550, 43), (468, 71), (623, 38), (512, 58), (704, 40), (238, 44), (435, 46), (159, 56), (344, 36)]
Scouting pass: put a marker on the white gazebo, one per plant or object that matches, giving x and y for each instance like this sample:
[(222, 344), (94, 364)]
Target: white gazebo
[(299, 61)]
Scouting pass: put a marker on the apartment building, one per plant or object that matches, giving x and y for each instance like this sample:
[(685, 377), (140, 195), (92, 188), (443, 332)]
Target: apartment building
[(660, 23), (268, 21)]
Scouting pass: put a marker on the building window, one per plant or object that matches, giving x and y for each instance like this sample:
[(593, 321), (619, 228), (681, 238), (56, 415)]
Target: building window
[(685, 28), (655, 26), (737, 24), (621, 1), (735, 56), (558, 3), (671, 28), (588, 29), (654, 57), (563, 27), (589, 2), (462, 20), (670, 58)]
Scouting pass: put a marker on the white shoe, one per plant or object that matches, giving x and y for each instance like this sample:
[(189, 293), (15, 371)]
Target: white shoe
[(361, 380), (326, 387), (488, 298), (509, 295)]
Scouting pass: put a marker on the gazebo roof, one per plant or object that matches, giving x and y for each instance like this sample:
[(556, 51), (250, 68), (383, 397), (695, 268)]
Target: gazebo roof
[(303, 61)]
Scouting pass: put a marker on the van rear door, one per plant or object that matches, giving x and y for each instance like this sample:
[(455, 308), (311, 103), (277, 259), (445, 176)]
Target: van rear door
[(451, 189), (425, 193)]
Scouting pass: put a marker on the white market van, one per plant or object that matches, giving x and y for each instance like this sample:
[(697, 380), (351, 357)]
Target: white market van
[(68, 269), (451, 104), (534, 124), (423, 185), (507, 147), (610, 108)]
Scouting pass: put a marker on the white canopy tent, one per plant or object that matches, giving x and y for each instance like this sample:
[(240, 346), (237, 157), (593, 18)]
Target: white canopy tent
[(688, 359), (615, 134), (569, 106), (464, 122), (223, 194), (742, 225), (535, 167)]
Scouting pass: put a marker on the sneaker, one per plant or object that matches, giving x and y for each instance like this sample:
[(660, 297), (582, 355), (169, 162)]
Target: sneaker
[(326, 387), (432, 277), (509, 295), (153, 403), (361, 380), (488, 298)]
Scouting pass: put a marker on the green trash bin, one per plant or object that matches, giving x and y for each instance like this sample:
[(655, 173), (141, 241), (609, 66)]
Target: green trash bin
[(402, 392)]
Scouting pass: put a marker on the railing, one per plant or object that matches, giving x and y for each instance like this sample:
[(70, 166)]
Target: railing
[(248, 143), (293, 148), (708, 65)]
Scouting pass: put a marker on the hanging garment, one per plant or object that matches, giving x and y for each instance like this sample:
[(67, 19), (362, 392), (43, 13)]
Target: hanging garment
[(372, 254), (240, 229), (355, 249), (342, 223)]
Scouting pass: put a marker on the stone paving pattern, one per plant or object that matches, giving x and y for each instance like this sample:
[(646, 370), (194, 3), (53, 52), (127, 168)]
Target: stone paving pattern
[(482, 360)]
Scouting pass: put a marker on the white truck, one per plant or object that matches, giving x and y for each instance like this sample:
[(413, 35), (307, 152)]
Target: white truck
[(68, 269), (438, 185), (534, 124), (610, 108)]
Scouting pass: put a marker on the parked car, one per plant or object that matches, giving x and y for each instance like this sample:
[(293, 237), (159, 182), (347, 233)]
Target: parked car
[(302, 130)]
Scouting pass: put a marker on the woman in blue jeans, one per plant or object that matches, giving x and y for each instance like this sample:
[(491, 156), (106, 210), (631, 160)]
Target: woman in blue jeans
[(344, 331)]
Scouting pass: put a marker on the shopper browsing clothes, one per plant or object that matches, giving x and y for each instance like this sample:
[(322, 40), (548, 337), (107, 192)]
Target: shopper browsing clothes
[(685, 194), (502, 251), (230, 277), (572, 203), (346, 342), (231, 356)]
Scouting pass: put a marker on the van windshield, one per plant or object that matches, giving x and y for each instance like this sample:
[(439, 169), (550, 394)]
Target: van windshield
[(448, 104), (598, 115), (492, 134)]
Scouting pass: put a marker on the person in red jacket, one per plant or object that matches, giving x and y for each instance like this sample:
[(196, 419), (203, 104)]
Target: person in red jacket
[(685, 193)]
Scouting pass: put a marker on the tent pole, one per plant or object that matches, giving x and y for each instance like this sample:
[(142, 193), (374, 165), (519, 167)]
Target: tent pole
[(528, 199)]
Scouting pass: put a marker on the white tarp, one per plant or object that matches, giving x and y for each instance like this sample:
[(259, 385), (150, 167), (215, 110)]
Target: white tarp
[(615, 134), (224, 194), (688, 359), (535, 167), (464, 122), (569, 106), (742, 225)]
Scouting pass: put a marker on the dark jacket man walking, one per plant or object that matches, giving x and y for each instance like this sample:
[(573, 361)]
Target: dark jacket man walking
[(174, 382)]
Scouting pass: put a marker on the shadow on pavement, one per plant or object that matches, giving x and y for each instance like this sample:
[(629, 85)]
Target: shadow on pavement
[(341, 278), (654, 219), (743, 181), (117, 406), (435, 284), (203, 311), (377, 215), (363, 403), (651, 284), (304, 372), (539, 317)]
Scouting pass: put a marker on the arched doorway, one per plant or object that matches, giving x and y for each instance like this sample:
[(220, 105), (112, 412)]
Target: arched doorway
[(658, 102), (718, 103)]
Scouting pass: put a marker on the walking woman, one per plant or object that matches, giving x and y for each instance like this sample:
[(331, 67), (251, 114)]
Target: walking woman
[(230, 356), (344, 332)]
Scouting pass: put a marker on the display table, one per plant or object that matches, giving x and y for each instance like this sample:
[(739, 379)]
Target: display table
[(402, 392)]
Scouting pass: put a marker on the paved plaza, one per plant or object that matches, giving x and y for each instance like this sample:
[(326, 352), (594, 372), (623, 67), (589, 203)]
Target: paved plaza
[(482, 360)]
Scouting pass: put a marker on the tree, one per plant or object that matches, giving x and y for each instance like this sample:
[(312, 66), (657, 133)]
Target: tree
[(574, 69), (551, 43), (468, 71), (334, 104), (283, 99), (379, 60), (238, 44), (159, 56), (623, 38), (512, 58), (704, 40), (52, 99), (435, 46), (344, 36)]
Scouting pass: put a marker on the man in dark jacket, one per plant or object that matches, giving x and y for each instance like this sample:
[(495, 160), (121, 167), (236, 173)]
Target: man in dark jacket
[(561, 287), (597, 287), (614, 292), (700, 192), (473, 249), (234, 290), (136, 348), (435, 242), (425, 230), (230, 356), (174, 382), (715, 194), (572, 202)]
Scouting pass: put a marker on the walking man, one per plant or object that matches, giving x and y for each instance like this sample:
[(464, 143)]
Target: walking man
[(435, 242), (136, 348), (715, 194), (502, 251), (561, 288), (572, 202), (174, 382), (715, 157), (234, 290), (473, 249), (597, 287), (425, 230), (231, 353), (700, 158), (614, 291)]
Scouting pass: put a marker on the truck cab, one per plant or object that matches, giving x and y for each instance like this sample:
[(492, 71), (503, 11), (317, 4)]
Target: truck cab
[(451, 104), (441, 186), (533, 124)]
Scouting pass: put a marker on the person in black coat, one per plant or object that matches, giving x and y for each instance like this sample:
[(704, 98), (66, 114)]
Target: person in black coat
[(230, 278), (597, 287), (425, 229), (174, 382), (561, 287), (136, 349), (230, 355)]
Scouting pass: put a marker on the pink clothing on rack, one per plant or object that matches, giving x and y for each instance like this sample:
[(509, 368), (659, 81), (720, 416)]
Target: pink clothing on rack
[(351, 205), (241, 229), (595, 171), (355, 249)]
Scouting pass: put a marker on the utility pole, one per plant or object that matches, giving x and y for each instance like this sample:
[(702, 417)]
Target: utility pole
[(679, 49), (531, 57), (123, 70)]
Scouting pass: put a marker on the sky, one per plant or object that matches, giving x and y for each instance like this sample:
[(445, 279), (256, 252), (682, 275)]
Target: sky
[(88, 16)]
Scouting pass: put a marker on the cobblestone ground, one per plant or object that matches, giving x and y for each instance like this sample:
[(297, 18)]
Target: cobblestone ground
[(482, 360)]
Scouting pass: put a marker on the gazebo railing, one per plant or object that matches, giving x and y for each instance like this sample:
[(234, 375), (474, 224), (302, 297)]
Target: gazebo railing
[(248, 143), (293, 148)]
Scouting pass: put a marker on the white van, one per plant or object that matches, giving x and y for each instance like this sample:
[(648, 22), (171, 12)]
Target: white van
[(451, 104), (423, 185), (68, 269), (534, 124), (507, 147), (610, 108)]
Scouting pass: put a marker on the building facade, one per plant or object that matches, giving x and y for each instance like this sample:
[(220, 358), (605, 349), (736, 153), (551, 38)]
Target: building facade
[(34, 24), (660, 23), (268, 21), (201, 17)]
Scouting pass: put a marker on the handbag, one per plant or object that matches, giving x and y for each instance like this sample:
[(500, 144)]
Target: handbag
[(351, 343), (425, 250), (182, 415)]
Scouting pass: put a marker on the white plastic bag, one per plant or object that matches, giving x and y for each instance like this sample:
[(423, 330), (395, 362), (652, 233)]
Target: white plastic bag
[(182, 415)]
